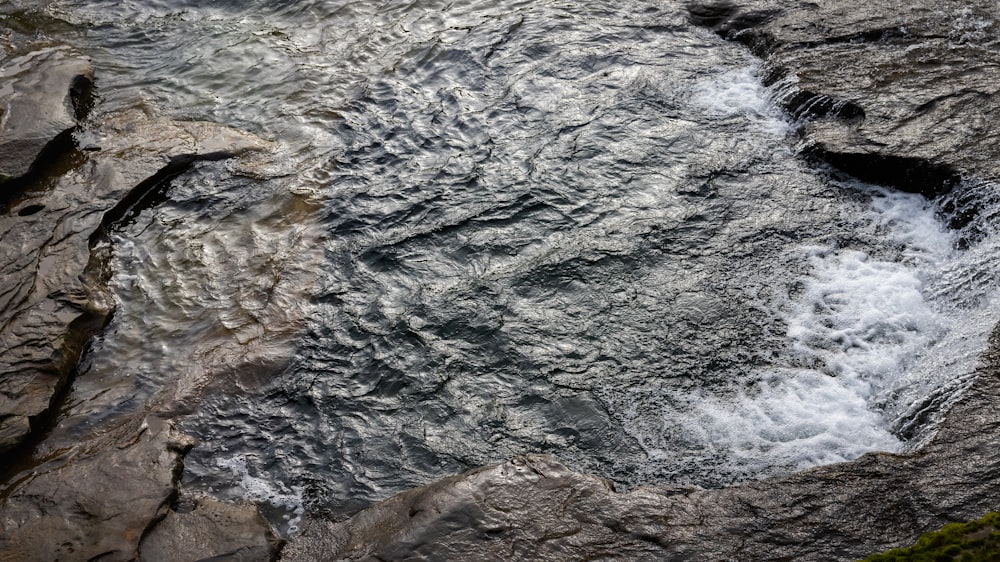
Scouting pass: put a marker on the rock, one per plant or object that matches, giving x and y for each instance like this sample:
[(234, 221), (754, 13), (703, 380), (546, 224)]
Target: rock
[(100, 496), (53, 295), (99, 502), (899, 93), (212, 530), (43, 94)]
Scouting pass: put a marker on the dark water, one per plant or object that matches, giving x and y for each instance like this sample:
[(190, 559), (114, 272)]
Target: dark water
[(501, 227)]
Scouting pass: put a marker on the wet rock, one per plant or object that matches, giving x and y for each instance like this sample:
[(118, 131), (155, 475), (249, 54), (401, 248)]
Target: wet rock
[(211, 530), (98, 503), (52, 271), (880, 87), (43, 94), (100, 495)]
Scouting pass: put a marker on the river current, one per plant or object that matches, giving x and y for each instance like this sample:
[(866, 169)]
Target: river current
[(497, 227)]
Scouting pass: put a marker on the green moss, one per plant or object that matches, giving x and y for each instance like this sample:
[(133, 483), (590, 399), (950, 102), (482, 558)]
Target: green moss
[(975, 541)]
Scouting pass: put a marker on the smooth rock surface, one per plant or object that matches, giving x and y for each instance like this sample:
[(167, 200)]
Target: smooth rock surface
[(52, 289), (100, 495), (212, 530), (97, 503), (42, 95)]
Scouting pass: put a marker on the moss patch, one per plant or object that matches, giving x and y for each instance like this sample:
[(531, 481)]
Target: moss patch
[(975, 541)]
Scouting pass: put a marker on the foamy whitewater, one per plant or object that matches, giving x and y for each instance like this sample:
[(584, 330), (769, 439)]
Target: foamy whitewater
[(266, 492), (873, 345)]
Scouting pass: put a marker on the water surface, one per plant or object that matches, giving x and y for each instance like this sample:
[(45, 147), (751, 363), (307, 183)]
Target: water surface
[(579, 228)]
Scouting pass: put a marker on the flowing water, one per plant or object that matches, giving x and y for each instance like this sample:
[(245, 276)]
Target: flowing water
[(498, 227)]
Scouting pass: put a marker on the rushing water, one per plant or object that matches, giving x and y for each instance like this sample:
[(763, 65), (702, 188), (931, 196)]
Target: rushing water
[(500, 227)]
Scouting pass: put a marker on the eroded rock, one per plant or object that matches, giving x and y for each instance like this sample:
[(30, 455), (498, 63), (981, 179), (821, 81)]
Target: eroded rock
[(43, 94), (53, 295), (211, 530), (99, 497), (881, 85), (98, 503)]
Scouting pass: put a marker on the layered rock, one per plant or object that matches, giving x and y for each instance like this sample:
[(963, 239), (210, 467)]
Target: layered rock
[(44, 91), (53, 295), (211, 530), (898, 93)]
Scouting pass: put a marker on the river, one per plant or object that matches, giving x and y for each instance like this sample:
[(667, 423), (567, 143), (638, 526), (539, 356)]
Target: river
[(496, 227)]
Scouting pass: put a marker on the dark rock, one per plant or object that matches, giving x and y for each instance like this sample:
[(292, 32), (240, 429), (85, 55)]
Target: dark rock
[(97, 504), (52, 285), (43, 94), (212, 530), (100, 496), (879, 85)]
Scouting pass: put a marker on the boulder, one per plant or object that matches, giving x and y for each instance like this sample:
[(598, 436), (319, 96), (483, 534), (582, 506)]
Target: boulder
[(211, 530), (98, 503)]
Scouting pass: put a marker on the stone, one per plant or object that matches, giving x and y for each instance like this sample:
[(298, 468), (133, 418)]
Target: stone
[(100, 502), (43, 93), (52, 273), (107, 491), (211, 530), (892, 91)]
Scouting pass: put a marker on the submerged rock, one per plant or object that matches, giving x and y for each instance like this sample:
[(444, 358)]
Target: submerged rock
[(52, 269)]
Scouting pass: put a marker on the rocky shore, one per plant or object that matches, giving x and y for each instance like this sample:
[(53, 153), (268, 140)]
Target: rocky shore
[(901, 94), (66, 184)]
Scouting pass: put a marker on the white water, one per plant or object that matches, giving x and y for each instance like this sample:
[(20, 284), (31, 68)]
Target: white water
[(266, 491), (866, 342)]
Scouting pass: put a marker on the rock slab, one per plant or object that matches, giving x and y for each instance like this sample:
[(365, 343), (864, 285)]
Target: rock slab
[(42, 94)]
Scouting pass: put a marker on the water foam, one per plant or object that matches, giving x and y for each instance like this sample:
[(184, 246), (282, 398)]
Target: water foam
[(740, 93), (267, 490), (862, 340)]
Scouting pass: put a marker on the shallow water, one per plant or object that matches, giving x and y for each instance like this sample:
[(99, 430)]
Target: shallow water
[(501, 227)]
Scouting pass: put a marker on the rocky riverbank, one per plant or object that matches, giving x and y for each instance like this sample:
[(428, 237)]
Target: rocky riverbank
[(66, 183)]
